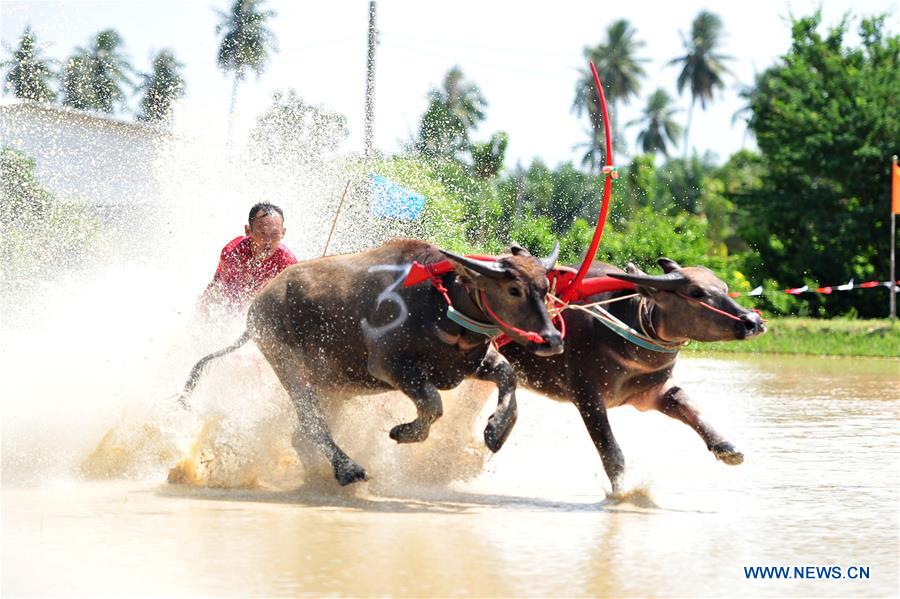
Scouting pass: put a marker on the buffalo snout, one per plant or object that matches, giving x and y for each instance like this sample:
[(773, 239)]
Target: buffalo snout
[(553, 345), (752, 325)]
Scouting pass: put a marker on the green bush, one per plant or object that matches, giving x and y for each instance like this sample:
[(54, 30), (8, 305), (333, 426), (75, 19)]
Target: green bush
[(40, 235)]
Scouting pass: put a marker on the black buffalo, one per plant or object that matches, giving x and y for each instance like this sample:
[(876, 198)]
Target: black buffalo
[(600, 369), (346, 325)]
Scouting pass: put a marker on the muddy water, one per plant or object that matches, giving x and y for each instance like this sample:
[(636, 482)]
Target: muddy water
[(819, 487)]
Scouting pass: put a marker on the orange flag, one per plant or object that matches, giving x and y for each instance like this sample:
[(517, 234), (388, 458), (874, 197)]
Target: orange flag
[(895, 188)]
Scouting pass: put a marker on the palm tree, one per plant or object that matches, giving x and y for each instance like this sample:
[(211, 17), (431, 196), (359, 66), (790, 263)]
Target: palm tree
[(29, 73), (745, 112), (658, 128), (77, 90), (161, 87), (702, 66), (246, 43), (620, 72), (106, 69), (453, 111)]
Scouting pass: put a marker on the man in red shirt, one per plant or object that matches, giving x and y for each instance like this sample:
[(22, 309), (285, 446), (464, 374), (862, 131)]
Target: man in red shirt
[(247, 263)]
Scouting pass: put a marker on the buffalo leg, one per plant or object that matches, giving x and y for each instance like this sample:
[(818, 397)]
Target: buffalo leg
[(497, 370), (427, 399), (313, 425), (676, 404), (593, 412)]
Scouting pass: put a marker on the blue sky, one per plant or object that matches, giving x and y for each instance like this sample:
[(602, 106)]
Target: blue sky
[(523, 55)]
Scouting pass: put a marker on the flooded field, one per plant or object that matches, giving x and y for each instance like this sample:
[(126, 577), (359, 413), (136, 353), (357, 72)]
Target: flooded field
[(87, 509)]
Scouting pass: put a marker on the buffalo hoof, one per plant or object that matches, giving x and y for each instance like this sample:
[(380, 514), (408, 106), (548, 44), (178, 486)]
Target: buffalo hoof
[(618, 485), (411, 432), (726, 452), (497, 431), (349, 472)]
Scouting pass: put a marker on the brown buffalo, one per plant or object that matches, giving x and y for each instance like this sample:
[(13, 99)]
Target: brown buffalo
[(600, 369), (346, 325)]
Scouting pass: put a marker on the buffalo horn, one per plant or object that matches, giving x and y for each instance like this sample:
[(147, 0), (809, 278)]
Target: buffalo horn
[(489, 269), (667, 282), (550, 261)]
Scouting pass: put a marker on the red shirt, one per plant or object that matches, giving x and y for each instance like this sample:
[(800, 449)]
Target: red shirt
[(239, 276)]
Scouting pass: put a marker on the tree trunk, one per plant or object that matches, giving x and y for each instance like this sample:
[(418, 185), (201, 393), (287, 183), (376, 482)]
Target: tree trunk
[(687, 128), (231, 108)]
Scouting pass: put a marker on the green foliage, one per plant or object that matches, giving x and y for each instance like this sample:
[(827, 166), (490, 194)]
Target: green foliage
[(575, 242), (487, 158), (453, 112), (647, 235), (682, 184), (638, 185), (39, 235), (29, 74), (537, 206), (292, 131), (161, 88), (825, 122), (535, 234), (246, 38), (560, 196), (24, 200), (443, 219)]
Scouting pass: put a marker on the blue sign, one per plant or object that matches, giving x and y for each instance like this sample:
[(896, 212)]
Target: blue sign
[(392, 201)]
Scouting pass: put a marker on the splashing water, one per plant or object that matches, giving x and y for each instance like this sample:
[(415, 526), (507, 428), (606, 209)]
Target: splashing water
[(95, 354)]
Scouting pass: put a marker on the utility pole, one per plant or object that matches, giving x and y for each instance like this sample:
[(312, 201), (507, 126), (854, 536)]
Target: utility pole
[(370, 84)]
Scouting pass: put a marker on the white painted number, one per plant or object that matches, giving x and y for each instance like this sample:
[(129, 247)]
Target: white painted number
[(390, 295)]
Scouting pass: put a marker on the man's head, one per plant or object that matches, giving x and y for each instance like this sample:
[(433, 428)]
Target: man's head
[(265, 228)]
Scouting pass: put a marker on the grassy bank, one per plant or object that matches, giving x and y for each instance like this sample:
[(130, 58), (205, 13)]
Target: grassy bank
[(817, 337)]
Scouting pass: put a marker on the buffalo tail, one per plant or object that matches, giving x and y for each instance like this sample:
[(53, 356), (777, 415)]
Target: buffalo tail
[(197, 370)]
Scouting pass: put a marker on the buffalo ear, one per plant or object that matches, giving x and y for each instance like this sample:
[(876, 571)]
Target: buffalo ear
[(563, 268), (517, 250), (667, 282), (668, 265), (631, 269)]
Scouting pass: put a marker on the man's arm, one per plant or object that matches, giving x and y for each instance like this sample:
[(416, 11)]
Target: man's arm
[(215, 292)]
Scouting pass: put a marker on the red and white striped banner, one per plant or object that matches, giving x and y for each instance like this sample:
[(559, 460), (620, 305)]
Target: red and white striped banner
[(827, 290)]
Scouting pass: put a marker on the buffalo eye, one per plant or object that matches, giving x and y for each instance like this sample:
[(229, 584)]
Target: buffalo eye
[(697, 293), (515, 291)]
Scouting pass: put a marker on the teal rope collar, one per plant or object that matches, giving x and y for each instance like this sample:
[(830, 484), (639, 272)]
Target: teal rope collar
[(623, 330), (482, 328)]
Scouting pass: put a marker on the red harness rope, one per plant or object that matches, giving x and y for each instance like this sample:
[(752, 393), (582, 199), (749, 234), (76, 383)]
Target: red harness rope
[(529, 335), (714, 309), (482, 303)]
